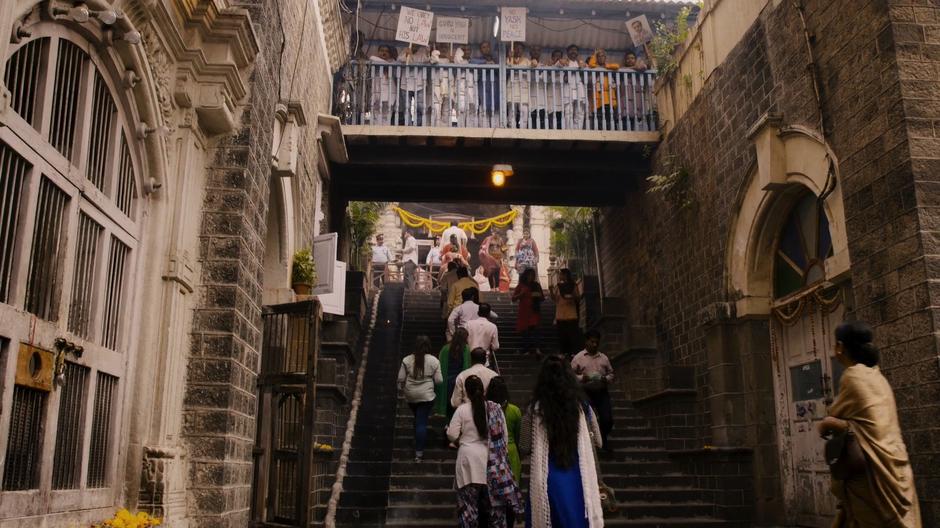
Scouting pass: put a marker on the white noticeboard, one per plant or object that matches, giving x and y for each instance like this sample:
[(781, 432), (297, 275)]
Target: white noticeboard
[(453, 29), (335, 303), (414, 26), (324, 255), (512, 24)]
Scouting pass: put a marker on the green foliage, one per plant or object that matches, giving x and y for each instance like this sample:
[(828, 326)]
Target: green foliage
[(362, 218), (572, 235), (304, 269), (674, 183), (668, 37)]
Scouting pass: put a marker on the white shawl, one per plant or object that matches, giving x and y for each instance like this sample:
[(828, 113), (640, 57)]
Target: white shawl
[(538, 473)]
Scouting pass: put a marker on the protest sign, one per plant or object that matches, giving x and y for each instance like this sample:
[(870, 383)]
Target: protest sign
[(414, 26), (452, 29), (640, 31), (512, 24)]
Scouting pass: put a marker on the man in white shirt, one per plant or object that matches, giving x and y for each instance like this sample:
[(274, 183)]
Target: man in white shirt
[(484, 334), (380, 257), (409, 258), (465, 312), (477, 359)]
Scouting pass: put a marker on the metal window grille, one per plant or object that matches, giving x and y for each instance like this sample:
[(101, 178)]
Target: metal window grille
[(22, 78), (102, 120), (13, 171), (67, 463), (81, 308), (114, 293), (68, 75), (287, 434), (98, 449), (24, 445), (124, 197), (48, 247)]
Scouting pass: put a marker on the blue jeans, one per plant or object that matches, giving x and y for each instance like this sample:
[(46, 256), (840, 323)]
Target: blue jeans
[(421, 410)]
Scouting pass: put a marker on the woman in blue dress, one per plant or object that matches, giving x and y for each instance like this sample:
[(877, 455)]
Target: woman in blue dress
[(563, 489)]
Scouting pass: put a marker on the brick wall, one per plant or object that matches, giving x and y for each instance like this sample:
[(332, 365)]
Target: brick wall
[(879, 70), (220, 400)]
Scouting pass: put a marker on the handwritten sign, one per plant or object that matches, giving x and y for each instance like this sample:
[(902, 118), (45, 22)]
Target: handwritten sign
[(414, 26), (639, 30), (453, 29), (512, 24)]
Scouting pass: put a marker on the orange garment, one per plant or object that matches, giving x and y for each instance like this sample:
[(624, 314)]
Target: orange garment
[(607, 95)]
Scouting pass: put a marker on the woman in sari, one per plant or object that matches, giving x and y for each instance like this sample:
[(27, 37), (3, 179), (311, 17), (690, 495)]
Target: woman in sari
[(883, 495), (454, 359)]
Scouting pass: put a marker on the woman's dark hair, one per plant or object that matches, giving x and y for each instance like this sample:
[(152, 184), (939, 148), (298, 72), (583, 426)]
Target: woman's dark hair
[(457, 344), (527, 277), (422, 347), (856, 338), (565, 282), (559, 398), (473, 386), (497, 391)]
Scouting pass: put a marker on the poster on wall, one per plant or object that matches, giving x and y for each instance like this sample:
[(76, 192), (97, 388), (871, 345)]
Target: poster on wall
[(512, 24), (453, 30), (414, 26), (640, 31)]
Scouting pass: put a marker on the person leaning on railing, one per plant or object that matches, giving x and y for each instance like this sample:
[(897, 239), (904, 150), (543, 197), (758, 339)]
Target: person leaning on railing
[(518, 87), (632, 106), (411, 95), (574, 95), (603, 92), (487, 86), (383, 86)]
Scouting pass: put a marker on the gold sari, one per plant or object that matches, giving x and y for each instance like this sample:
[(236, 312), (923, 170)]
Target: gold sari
[(886, 496)]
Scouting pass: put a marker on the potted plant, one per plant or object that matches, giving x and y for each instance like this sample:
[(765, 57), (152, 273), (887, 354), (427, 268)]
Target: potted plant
[(303, 272)]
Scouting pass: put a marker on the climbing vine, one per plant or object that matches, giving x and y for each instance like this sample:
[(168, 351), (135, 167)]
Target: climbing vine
[(674, 183)]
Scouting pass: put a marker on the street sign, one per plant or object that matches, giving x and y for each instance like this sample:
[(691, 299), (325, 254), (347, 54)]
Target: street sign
[(512, 24), (414, 26), (453, 29)]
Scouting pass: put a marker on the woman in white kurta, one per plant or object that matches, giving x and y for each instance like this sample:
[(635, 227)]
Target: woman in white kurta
[(468, 429)]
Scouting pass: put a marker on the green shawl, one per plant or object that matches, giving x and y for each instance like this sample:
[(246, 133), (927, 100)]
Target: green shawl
[(443, 398)]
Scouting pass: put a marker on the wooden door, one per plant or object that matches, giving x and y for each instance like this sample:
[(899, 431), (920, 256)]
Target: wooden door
[(803, 372)]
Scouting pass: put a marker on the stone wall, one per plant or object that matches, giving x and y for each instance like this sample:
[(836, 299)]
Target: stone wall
[(220, 404), (879, 84)]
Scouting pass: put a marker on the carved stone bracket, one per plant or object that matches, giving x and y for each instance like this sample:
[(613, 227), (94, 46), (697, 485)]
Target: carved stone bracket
[(180, 269), (290, 120), (716, 313)]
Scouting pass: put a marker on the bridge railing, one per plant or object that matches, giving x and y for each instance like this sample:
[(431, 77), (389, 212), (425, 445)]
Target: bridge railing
[(495, 96)]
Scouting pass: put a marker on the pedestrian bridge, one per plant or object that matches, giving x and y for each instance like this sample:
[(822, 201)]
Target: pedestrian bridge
[(432, 132), (478, 102)]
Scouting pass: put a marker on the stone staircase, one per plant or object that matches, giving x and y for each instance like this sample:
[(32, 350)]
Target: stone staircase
[(649, 487)]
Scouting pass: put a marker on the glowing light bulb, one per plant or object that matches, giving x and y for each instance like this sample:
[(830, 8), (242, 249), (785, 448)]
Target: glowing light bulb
[(499, 178)]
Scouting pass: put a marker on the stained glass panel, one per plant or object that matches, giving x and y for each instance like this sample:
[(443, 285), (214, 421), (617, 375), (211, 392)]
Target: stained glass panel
[(802, 247)]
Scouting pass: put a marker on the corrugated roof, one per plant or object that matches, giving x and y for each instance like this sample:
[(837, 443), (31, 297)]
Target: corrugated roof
[(548, 31)]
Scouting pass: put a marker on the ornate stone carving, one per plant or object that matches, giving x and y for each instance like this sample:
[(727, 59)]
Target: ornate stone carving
[(159, 64)]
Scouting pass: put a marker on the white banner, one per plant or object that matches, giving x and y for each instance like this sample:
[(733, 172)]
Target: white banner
[(512, 24), (414, 26), (453, 29)]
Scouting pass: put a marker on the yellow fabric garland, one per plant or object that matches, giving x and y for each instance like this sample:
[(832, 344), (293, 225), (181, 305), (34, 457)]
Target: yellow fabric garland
[(436, 227)]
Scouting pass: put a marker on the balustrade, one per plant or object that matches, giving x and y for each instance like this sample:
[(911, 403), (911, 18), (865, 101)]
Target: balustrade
[(496, 96)]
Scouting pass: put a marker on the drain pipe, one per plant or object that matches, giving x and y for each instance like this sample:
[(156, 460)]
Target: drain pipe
[(337, 489)]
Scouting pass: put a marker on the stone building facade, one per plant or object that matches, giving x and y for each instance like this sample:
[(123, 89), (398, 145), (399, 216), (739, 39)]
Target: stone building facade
[(199, 163), (793, 105)]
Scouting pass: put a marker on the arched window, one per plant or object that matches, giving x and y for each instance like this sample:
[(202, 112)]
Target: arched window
[(69, 232), (803, 246)]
